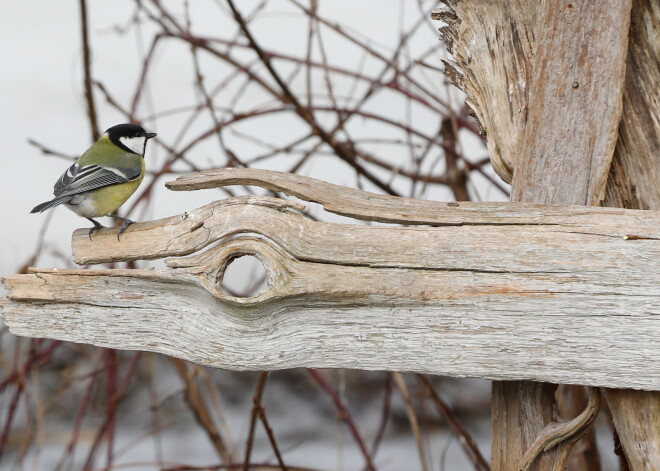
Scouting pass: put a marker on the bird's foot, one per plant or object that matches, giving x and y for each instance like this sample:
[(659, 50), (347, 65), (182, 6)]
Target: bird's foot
[(125, 223), (97, 226)]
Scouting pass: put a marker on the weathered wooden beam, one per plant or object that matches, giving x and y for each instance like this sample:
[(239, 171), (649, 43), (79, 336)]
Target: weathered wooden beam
[(564, 156), (563, 294), (366, 206)]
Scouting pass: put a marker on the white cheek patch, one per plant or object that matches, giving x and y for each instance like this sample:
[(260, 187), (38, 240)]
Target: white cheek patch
[(136, 144)]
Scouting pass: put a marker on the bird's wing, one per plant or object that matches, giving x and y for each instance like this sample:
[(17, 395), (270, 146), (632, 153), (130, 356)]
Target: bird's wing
[(79, 179)]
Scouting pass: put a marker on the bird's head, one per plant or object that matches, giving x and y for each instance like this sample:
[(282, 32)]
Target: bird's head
[(130, 137)]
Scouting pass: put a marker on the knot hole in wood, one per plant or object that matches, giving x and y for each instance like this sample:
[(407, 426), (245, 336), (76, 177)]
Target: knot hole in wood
[(211, 266)]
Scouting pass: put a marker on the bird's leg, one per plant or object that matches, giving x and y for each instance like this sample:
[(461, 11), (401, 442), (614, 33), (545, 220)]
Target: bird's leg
[(125, 223), (97, 225)]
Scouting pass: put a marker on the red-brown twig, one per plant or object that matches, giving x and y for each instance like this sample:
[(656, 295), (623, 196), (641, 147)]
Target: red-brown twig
[(200, 410), (120, 392), (33, 361), (344, 415), (412, 419), (344, 152), (261, 383), (464, 438), (384, 414), (87, 67), (270, 434), (228, 466), (75, 433)]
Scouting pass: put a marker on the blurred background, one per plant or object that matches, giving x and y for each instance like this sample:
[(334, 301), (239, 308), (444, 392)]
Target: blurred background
[(369, 74)]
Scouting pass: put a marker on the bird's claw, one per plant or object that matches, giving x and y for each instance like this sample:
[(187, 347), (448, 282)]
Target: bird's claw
[(125, 223), (94, 228)]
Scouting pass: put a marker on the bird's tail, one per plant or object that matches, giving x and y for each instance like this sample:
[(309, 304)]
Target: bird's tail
[(49, 204)]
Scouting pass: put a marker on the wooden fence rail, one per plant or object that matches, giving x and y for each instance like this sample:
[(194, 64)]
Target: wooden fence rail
[(493, 290)]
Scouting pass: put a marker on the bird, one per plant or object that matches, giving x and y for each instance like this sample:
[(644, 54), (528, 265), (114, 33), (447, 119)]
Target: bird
[(104, 176)]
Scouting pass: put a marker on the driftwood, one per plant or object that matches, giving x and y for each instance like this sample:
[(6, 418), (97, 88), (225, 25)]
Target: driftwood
[(494, 290)]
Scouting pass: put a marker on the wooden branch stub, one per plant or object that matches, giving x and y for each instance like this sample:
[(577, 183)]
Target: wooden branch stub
[(366, 206), (492, 45), (563, 297)]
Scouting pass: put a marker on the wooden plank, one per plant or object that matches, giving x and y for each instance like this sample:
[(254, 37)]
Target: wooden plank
[(570, 302), (475, 327), (619, 245)]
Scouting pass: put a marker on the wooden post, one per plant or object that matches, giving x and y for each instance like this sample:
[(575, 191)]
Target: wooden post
[(634, 183), (516, 60), (575, 102)]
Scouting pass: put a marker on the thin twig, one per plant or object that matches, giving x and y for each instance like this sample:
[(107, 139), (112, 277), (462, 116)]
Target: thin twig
[(87, 68), (261, 383), (75, 433), (464, 438), (343, 151), (271, 437), (199, 408), (344, 415), (384, 414), (412, 418)]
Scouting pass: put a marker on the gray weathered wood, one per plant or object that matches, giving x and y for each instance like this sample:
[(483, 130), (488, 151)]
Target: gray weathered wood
[(568, 300), (575, 102), (636, 417), (633, 183), (492, 44), (635, 174), (564, 155), (546, 81)]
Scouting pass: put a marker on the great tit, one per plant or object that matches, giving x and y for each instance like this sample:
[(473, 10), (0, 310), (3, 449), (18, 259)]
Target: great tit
[(104, 177)]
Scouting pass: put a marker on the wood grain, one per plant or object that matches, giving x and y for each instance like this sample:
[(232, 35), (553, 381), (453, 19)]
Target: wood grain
[(367, 206), (564, 136), (575, 102), (633, 183), (569, 301), (564, 151), (635, 173), (492, 45), (636, 417)]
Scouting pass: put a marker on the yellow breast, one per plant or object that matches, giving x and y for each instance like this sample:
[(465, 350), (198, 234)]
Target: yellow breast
[(106, 200)]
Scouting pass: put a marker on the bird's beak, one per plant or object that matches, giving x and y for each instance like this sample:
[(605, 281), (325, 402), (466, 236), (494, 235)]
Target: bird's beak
[(149, 135)]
